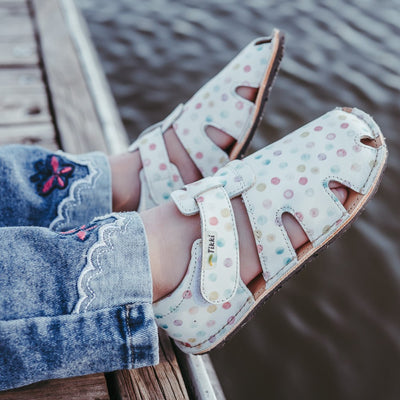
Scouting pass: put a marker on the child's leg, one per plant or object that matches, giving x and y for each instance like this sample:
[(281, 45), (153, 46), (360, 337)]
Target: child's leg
[(75, 303)]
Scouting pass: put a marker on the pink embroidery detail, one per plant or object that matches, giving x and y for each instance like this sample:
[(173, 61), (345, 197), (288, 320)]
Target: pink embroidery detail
[(51, 173)]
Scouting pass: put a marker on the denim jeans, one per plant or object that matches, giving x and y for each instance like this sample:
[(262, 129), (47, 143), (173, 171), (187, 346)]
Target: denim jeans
[(75, 288)]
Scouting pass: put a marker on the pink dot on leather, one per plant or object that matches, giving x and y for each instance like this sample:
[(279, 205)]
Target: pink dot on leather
[(198, 105), (239, 105), (226, 305), (318, 128), (288, 194), (199, 155), (238, 124), (344, 125), (303, 180), (275, 181), (330, 136), (247, 68), (163, 167), (152, 146), (267, 203), (194, 310), (299, 216), (213, 221)]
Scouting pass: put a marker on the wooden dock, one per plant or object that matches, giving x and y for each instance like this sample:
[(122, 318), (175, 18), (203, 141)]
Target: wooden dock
[(53, 94)]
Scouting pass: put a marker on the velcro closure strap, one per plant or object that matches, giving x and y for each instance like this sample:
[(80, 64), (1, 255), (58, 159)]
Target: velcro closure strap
[(220, 246), (156, 165), (195, 189), (235, 177)]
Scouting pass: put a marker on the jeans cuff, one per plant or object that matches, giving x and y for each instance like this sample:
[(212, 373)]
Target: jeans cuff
[(35, 349)]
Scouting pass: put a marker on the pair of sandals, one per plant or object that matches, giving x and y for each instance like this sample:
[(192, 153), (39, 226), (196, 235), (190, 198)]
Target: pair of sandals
[(291, 175)]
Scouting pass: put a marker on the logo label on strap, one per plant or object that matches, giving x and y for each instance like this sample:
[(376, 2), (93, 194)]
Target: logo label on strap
[(211, 249)]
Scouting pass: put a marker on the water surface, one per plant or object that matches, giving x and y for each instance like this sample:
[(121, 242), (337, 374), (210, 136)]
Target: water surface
[(333, 331)]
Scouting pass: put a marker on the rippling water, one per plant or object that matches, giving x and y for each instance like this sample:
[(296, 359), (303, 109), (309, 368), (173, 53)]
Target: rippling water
[(333, 331)]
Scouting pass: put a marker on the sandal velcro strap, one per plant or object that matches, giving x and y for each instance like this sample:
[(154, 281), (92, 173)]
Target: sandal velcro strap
[(235, 177), (220, 246), (157, 168), (220, 263)]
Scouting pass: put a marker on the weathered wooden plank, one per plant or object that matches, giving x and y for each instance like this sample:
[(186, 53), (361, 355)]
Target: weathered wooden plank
[(39, 134), (21, 78), (13, 8), (75, 115), (23, 107), (15, 26), (21, 52), (90, 387), (163, 381), (12, 2), (114, 132)]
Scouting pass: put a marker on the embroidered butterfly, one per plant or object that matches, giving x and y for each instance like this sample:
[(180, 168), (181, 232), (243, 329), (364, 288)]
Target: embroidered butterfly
[(52, 173)]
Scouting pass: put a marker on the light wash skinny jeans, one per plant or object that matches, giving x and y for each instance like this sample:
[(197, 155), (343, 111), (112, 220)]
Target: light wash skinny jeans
[(75, 288)]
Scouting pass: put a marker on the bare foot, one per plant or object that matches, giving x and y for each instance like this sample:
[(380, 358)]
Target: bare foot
[(171, 233), (125, 167)]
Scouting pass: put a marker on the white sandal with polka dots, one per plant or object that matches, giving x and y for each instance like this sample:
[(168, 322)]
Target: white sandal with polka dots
[(216, 104), (289, 176)]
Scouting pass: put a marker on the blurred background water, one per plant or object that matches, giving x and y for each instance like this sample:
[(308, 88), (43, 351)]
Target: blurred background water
[(333, 331)]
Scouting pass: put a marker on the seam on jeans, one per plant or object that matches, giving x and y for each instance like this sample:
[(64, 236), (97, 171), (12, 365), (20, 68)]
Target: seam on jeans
[(130, 353), (94, 257), (75, 197)]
